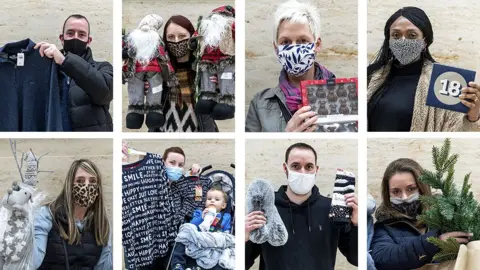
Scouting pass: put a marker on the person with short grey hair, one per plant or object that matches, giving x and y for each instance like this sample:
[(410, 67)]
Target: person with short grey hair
[(296, 40)]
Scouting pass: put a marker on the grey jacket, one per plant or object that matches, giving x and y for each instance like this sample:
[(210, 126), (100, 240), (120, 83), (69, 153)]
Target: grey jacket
[(265, 114)]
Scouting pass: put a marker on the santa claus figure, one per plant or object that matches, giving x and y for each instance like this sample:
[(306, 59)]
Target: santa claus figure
[(146, 61), (215, 66)]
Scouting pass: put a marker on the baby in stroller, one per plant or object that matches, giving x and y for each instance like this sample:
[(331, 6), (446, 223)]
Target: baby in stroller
[(213, 218)]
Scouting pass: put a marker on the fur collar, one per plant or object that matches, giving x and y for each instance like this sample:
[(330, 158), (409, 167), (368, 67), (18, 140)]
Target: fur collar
[(385, 215)]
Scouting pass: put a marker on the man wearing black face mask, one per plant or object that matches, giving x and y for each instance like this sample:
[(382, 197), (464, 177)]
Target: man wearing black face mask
[(90, 83)]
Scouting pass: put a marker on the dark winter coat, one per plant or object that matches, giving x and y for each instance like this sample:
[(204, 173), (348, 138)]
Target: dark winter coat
[(397, 244), (90, 92)]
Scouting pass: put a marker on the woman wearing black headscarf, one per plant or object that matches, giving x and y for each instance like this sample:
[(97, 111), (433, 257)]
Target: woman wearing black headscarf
[(399, 77)]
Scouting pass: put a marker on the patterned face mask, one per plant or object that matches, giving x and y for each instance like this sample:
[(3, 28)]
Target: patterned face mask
[(408, 206), (178, 49), (85, 194), (406, 51), (296, 59)]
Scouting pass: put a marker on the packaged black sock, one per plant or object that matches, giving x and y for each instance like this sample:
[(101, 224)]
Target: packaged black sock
[(340, 213)]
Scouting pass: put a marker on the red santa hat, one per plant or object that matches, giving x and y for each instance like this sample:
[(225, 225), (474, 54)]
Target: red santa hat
[(225, 10)]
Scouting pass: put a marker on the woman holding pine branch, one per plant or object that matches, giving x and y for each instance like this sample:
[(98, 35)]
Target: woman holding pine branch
[(400, 239)]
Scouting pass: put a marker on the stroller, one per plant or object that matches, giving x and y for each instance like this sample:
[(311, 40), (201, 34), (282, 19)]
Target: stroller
[(226, 181)]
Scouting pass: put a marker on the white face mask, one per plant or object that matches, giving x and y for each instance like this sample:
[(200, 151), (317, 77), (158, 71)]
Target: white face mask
[(300, 183)]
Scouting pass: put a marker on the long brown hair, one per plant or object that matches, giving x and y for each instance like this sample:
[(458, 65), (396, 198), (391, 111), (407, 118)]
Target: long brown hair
[(402, 165), (63, 207)]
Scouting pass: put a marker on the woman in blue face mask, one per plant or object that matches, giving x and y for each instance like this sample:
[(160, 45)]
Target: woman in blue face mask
[(296, 41), (399, 239), (174, 158)]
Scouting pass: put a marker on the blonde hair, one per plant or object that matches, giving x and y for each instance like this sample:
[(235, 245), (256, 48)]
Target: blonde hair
[(95, 216), (296, 12)]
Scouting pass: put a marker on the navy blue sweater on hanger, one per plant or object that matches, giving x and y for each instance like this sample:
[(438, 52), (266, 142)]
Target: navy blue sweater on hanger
[(31, 94)]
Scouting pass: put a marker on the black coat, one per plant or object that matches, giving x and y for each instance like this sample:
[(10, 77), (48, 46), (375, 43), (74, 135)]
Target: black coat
[(312, 238), (90, 92)]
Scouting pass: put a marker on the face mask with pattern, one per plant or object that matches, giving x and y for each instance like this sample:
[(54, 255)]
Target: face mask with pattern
[(296, 59), (85, 194), (407, 51), (178, 49), (409, 206)]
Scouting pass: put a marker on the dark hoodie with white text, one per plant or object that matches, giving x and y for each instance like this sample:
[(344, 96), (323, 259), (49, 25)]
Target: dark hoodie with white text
[(312, 237)]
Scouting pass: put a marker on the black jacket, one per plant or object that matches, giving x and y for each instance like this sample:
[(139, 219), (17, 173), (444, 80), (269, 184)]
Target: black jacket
[(90, 92), (312, 237), (82, 256)]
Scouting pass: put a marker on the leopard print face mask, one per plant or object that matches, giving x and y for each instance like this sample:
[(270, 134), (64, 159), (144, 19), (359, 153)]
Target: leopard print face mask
[(178, 49), (85, 194)]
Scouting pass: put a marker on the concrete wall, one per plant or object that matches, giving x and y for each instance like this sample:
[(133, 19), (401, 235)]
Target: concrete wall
[(135, 10), (264, 159), (202, 152), (61, 154), (383, 151), (455, 27), (43, 21), (338, 33)]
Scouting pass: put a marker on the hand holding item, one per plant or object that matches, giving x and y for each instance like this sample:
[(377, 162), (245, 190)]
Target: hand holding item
[(470, 97), (352, 201), (344, 207), (196, 169), (261, 200), (213, 79), (461, 237), (208, 218), (304, 120), (253, 221), (51, 51)]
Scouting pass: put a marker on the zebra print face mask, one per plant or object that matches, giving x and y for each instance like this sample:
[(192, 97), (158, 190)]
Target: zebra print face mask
[(296, 59), (407, 51)]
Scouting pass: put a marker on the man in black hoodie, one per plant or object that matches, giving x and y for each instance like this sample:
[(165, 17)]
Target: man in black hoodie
[(312, 238), (90, 83)]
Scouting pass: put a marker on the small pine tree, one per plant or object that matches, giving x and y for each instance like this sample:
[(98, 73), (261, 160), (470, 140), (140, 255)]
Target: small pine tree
[(452, 210)]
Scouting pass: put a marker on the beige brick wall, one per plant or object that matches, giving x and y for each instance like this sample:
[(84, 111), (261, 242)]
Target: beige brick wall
[(61, 154), (264, 159), (455, 27), (383, 151), (338, 33), (43, 21), (135, 10)]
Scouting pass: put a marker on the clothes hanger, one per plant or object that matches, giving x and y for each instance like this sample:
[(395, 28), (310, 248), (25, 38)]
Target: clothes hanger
[(132, 151)]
